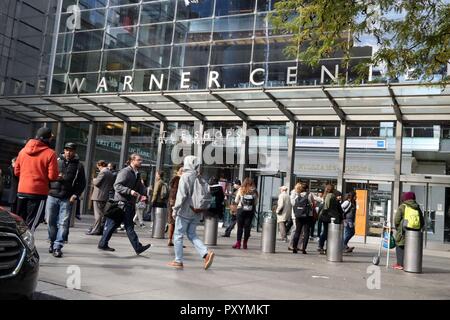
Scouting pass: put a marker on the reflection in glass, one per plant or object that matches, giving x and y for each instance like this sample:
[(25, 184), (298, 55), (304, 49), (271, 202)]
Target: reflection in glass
[(158, 11), (64, 42), (155, 34), (190, 10), (92, 4), (87, 41), (233, 76), (228, 52), (90, 84), (85, 62), (225, 8), (271, 49), (233, 27), (190, 55), (154, 57), (120, 38), (193, 31), (123, 16), (93, 19), (144, 138), (118, 60), (61, 63)]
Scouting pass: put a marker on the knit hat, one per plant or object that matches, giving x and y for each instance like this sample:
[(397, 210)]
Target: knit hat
[(408, 196), (44, 133)]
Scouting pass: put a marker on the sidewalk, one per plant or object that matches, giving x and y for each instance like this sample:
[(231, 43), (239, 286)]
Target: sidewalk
[(234, 275)]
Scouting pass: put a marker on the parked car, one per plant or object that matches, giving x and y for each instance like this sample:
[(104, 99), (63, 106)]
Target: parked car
[(19, 260)]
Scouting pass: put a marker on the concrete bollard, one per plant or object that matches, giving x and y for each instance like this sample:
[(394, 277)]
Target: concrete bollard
[(269, 233), (211, 230), (413, 251), (334, 241), (159, 223)]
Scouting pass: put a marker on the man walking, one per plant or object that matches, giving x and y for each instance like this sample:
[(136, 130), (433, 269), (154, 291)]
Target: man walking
[(102, 186), (186, 219), (128, 188), (62, 196), (35, 166)]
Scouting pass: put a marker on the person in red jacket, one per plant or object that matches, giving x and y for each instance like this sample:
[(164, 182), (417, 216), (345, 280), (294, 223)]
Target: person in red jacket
[(35, 167)]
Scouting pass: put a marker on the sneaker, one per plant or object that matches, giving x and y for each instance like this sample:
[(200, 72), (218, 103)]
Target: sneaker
[(226, 235), (176, 265), (322, 251), (107, 248), (397, 267), (143, 248), (209, 259), (57, 253), (50, 249), (349, 249), (142, 225)]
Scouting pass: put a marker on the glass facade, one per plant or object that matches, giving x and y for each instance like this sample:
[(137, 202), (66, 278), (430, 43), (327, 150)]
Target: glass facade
[(171, 37)]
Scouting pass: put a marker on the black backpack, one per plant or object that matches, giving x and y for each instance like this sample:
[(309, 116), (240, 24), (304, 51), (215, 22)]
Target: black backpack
[(248, 201), (302, 208)]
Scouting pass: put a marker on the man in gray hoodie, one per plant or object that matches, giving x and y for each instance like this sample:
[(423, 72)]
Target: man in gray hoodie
[(186, 218)]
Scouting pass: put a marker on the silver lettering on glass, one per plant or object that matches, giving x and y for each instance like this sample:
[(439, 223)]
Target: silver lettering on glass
[(252, 77), (20, 87), (76, 84), (127, 83), (213, 77), (291, 75), (40, 87), (324, 70), (153, 79), (102, 85), (185, 80)]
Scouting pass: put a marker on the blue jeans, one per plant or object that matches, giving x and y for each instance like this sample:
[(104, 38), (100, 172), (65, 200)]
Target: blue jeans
[(349, 232), (110, 226), (188, 227), (58, 212), (324, 235)]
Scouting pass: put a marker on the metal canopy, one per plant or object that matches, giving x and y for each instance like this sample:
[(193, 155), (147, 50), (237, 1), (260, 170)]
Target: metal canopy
[(377, 102)]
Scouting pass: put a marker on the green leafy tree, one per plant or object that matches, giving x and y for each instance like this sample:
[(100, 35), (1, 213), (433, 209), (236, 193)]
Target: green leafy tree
[(410, 36)]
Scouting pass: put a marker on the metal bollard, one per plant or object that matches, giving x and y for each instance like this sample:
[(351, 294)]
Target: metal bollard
[(269, 233), (73, 214), (334, 241), (159, 223), (413, 251), (211, 229)]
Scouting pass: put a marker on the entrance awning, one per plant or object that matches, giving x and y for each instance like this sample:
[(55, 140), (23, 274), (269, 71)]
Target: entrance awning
[(403, 102)]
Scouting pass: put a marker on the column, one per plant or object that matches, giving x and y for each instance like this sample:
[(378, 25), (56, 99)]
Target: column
[(199, 128), (88, 165), (292, 137), (243, 151), (161, 146), (342, 154), (59, 138), (124, 146), (397, 167)]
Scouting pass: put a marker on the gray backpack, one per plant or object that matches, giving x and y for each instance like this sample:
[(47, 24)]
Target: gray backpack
[(201, 197)]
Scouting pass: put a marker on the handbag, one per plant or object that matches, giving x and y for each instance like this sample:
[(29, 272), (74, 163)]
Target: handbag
[(233, 209), (114, 212), (391, 240)]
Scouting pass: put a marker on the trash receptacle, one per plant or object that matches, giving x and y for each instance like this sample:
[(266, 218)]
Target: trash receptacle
[(413, 251), (159, 223), (269, 233), (211, 229), (335, 241)]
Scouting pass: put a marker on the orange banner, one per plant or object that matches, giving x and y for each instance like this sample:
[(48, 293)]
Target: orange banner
[(361, 213)]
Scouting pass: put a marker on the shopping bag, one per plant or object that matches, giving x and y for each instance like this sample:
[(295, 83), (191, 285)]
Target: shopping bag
[(388, 238)]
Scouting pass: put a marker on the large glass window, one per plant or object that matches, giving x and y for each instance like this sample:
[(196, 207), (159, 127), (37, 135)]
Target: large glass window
[(64, 42), (193, 31), (271, 49), (85, 62), (266, 5), (124, 37), (233, 76), (142, 79), (123, 16), (153, 57), (188, 9), (233, 27), (157, 11), (91, 4), (156, 34), (177, 144), (93, 19), (115, 80), (230, 7), (88, 41), (229, 52), (144, 138), (77, 132), (190, 55), (197, 78), (118, 60), (62, 62)]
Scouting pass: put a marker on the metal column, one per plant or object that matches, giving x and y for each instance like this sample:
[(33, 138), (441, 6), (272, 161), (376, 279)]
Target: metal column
[(397, 168), (243, 151), (199, 128), (88, 164), (59, 138), (125, 142), (342, 155), (292, 136), (160, 155)]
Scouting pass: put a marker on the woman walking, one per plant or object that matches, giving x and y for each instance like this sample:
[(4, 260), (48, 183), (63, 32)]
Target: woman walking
[(246, 200), (302, 207), (349, 209), (331, 209)]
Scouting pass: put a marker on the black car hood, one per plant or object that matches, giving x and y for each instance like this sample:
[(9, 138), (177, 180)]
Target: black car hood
[(7, 223)]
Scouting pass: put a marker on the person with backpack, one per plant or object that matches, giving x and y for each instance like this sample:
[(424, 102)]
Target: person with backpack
[(331, 209), (349, 210), (302, 203), (193, 199), (160, 192), (283, 211), (173, 189), (217, 199), (246, 200), (409, 216), (62, 196)]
